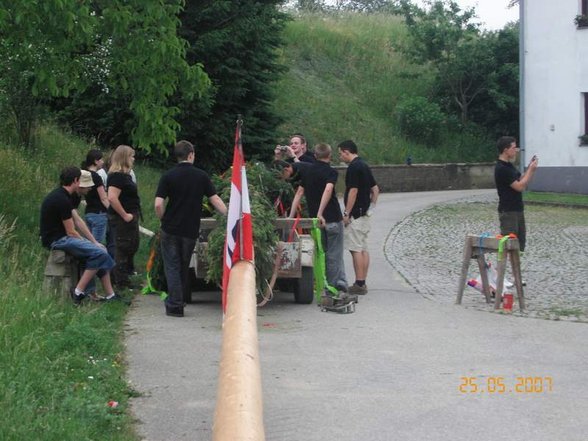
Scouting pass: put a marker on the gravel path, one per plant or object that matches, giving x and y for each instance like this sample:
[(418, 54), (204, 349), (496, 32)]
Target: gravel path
[(427, 246)]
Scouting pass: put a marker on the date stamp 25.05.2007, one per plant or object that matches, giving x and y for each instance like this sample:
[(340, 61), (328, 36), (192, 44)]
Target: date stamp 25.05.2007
[(502, 385)]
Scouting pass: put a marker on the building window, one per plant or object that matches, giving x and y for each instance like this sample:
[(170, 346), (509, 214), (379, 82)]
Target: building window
[(584, 136), (581, 19)]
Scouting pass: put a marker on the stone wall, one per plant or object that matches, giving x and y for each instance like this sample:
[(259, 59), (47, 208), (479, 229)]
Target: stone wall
[(428, 177)]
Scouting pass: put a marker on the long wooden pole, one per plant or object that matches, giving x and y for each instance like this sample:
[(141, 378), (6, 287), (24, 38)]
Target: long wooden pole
[(239, 406)]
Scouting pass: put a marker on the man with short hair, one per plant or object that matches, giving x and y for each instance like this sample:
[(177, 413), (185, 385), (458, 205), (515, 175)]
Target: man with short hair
[(184, 186), (59, 223), (296, 152), (361, 195), (510, 185), (318, 184)]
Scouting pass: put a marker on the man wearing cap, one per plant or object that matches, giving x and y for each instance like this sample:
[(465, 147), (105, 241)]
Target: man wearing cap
[(59, 225)]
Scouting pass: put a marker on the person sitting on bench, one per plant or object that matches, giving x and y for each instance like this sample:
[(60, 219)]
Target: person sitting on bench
[(58, 223)]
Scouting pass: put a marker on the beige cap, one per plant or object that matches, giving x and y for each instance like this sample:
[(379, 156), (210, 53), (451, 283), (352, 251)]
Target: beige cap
[(86, 179)]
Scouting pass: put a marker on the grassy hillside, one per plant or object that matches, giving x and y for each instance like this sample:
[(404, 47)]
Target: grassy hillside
[(345, 79), (59, 365)]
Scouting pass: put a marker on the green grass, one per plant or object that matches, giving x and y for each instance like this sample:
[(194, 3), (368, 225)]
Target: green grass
[(556, 198), (59, 365), (346, 77)]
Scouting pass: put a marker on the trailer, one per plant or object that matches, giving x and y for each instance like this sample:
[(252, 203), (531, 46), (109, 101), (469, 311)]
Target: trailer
[(296, 256)]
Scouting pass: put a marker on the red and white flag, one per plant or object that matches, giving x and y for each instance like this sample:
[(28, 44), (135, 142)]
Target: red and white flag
[(239, 239)]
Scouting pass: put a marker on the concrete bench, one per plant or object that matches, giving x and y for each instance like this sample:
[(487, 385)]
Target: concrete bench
[(62, 272)]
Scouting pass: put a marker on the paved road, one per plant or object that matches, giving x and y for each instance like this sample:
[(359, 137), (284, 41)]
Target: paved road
[(390, 371)]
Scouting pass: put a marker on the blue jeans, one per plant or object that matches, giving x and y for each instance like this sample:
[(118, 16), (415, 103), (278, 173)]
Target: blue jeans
[(177, 252), (94, 257), (97, 223), (333, 245)]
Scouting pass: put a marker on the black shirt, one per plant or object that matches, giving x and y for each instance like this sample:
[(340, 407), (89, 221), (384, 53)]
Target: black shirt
[(359, 176), (129, 196), (508, 198), (56, 208), (307, 157), (94, 204), (184, 186), (314, 180)]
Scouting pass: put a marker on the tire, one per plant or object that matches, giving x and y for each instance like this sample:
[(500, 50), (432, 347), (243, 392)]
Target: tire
[(303, 287)]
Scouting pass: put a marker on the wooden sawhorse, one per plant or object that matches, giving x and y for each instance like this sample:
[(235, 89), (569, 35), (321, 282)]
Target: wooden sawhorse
[(475, 247)]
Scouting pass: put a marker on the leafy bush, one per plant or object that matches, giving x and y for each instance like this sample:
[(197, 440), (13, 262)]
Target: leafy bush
[(264, 186), (420, 120)]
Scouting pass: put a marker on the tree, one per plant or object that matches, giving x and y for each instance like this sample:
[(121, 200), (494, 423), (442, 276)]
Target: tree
[(497, 108), (53, 48), (472, 73), (237, 42)]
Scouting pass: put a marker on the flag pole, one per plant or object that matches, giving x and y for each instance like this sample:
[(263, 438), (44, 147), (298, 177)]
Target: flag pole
[(240, 147)]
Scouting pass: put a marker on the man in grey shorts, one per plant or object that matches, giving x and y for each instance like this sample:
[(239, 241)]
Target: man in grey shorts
[(361, 194)]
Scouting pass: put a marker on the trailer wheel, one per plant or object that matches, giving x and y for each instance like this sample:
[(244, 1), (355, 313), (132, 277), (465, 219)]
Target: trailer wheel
[(303, 287)]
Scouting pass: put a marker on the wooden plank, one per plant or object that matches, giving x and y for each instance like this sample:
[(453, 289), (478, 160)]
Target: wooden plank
[(501, 269), (467, 255), (484, 276), (516, 271), (492, 243)]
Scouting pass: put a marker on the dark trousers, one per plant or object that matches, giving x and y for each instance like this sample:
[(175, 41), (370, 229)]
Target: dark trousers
[(514, 222), (126, 238), (177, 252)]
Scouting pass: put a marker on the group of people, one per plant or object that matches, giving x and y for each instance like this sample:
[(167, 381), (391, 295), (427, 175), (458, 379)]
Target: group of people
[(316, 180), (114, 212), (108, 239)]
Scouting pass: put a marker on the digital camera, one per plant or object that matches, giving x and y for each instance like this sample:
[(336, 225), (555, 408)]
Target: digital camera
[(283, 148)]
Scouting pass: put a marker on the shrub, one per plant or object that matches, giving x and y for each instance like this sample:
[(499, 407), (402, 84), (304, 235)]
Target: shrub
[(420, 120)]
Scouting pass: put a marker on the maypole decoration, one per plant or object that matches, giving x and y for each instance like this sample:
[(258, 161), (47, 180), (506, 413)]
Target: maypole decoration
[(239, 409), (239, 239)]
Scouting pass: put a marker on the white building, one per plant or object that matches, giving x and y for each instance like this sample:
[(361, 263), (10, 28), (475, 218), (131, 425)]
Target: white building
[(554, 93)]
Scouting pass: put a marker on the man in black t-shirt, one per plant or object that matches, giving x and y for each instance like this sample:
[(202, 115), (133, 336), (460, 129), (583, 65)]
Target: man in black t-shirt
[(318, 184), (361, 194), (58, 223), (510, 186), (184, 187), (296, 152)]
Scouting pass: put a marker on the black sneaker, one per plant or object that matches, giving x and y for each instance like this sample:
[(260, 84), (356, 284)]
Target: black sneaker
[(76, 298), (174, 312)]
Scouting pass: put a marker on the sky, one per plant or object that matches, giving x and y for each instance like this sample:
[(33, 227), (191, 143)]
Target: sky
[(493, 13)]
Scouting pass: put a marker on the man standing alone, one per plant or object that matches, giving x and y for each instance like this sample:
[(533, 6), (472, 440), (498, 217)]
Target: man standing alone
[(184, 186), (361, 194), (510, 186)]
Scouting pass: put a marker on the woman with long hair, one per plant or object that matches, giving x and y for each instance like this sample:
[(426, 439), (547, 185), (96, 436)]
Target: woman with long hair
[(125, 209)]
